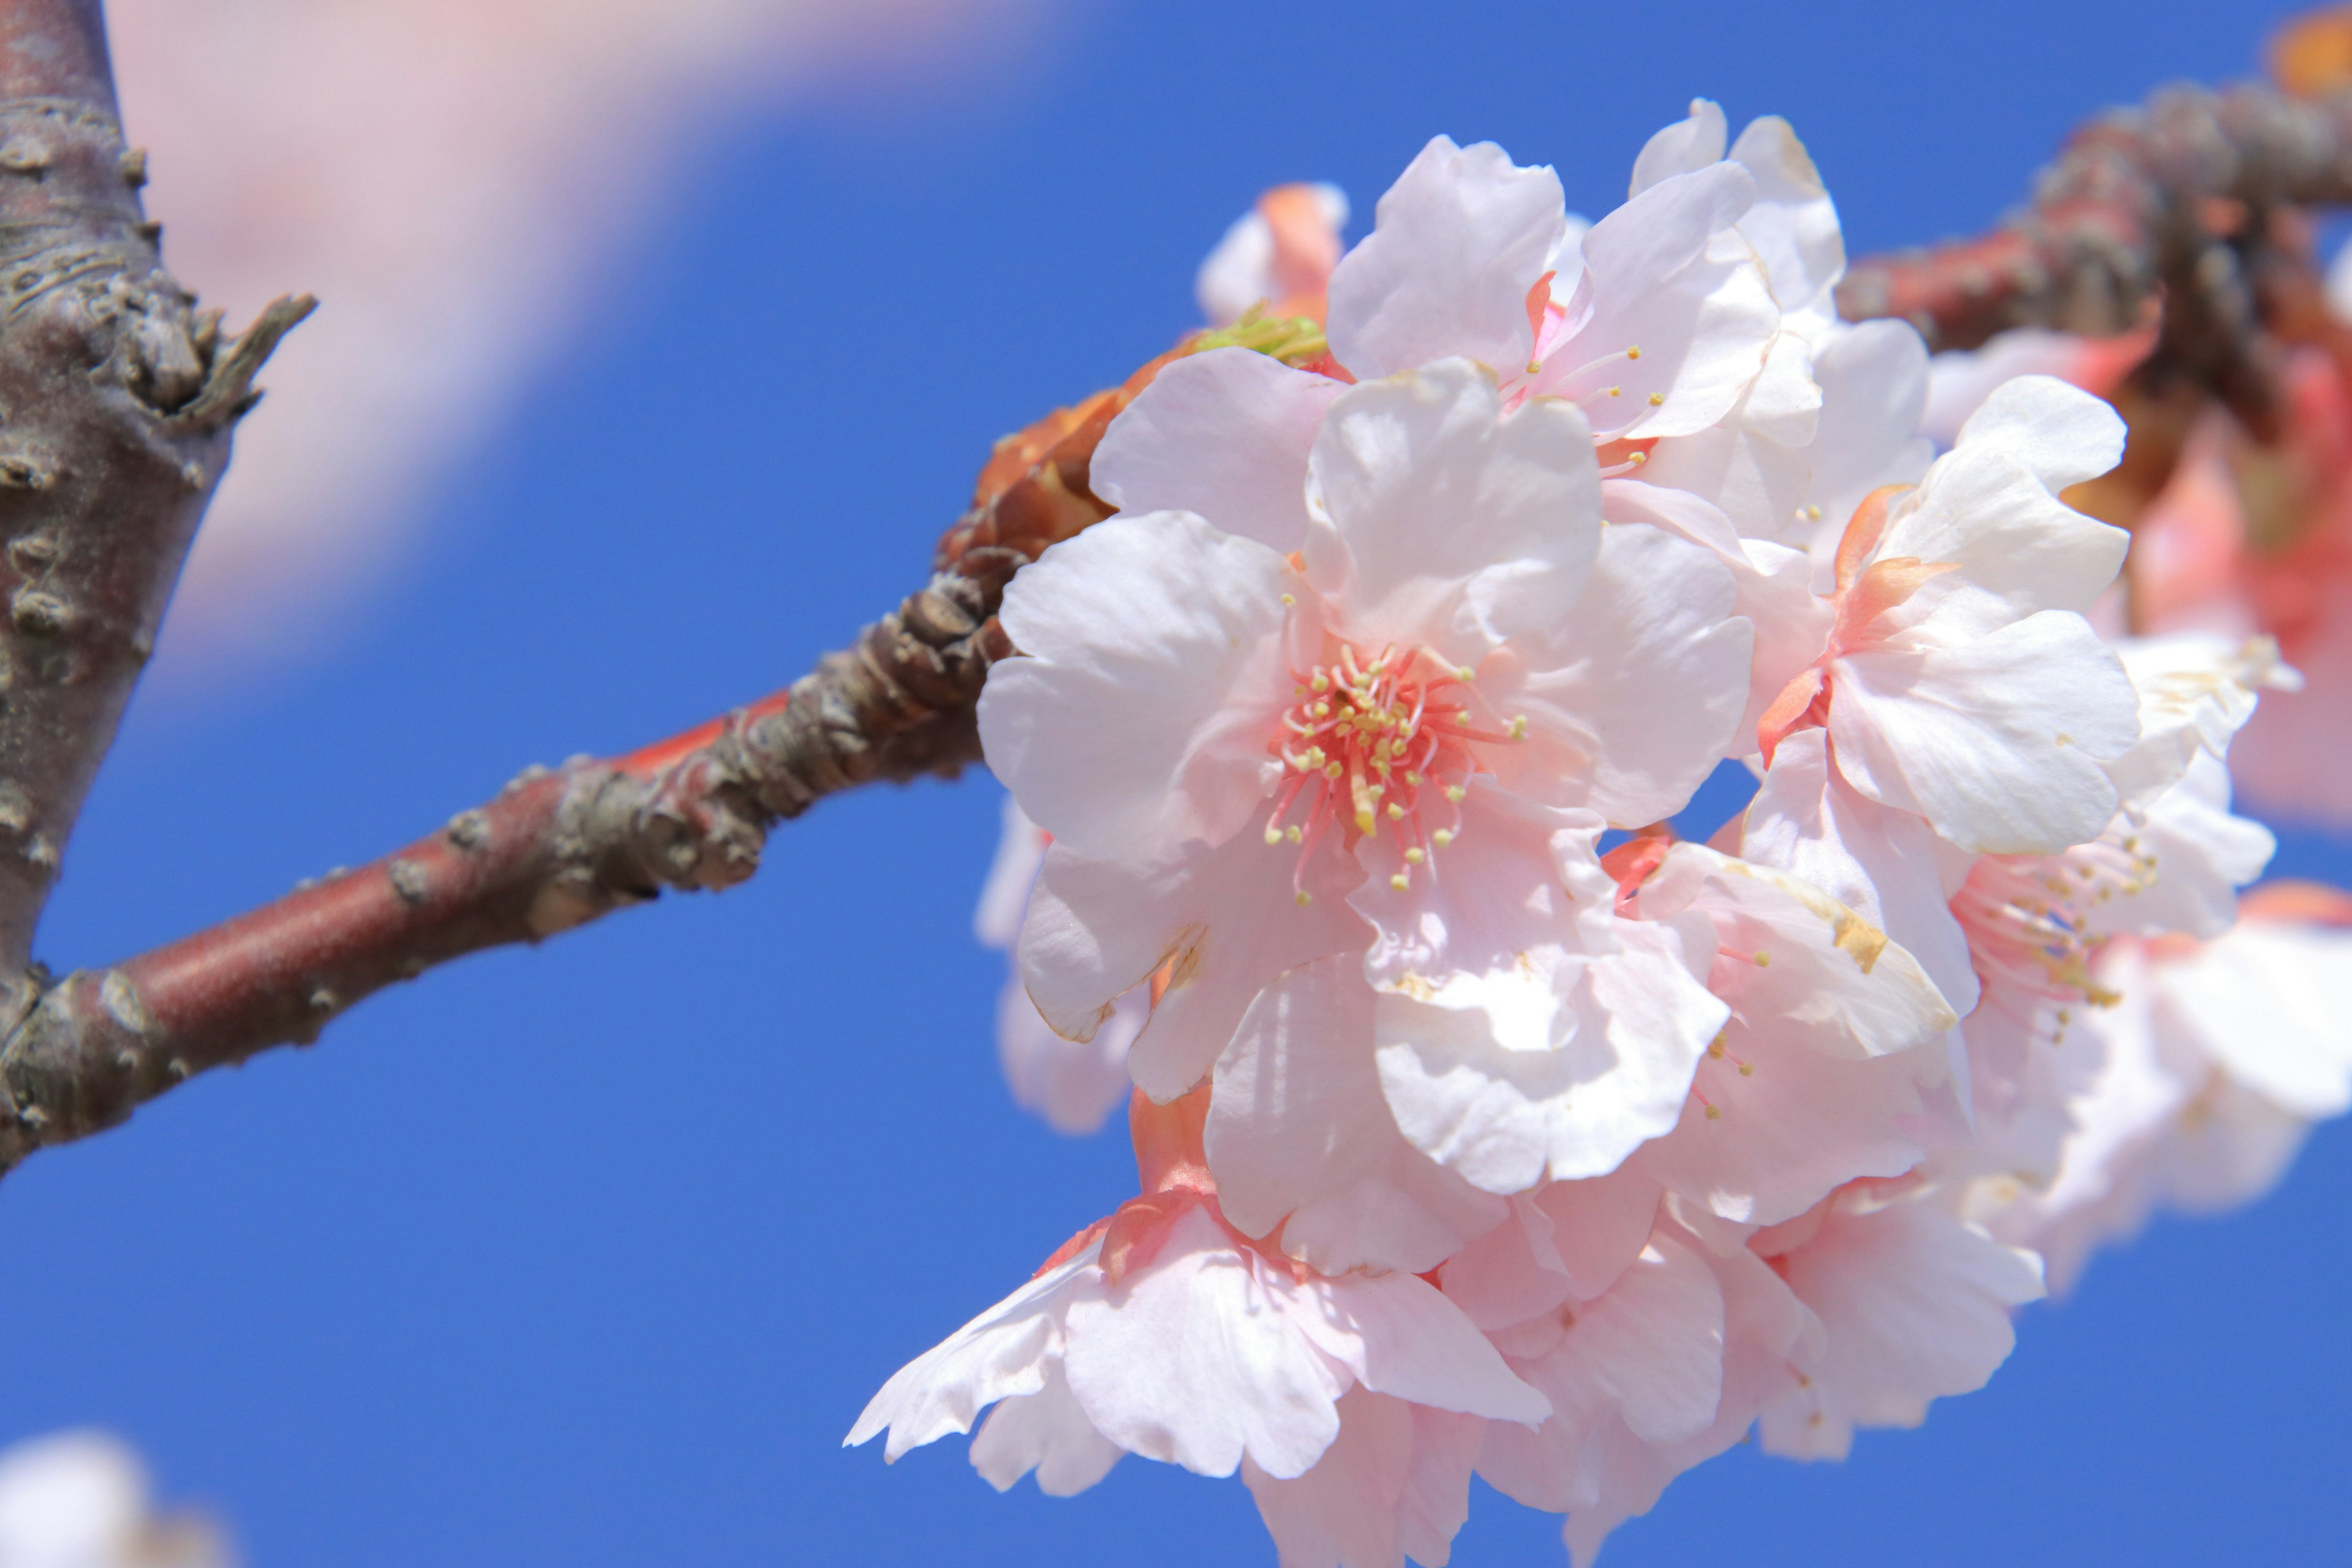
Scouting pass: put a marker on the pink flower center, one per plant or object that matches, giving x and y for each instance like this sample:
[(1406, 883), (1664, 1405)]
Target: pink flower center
[(2025, 915), (1365, 743)]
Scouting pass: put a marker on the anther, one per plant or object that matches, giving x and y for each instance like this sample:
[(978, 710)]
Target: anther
[(1272, 834), (1657, 400), (1415, 856), (1396, 812), (1633, 353), (1400, 881), (1465, 674), (1454, 793), (1715, 1113), (1289, 602), (1441, 838), (1321, 682), (1305, 898), (1292, 833), (1519, 727)]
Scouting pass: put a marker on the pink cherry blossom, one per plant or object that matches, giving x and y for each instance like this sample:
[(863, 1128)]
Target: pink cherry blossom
[(1075, 1085), (1399, 741), (2170, 861), (1278, 255), (1960, 703), (1164, 1332), (1914, 1306), (2193, 1089)]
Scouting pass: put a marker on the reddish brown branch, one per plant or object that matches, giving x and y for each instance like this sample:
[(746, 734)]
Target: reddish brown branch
[(556, 850), (117, 398), (2171, 203)]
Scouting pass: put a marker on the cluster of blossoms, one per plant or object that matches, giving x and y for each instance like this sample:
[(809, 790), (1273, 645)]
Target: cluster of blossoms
[(1486, 1125)]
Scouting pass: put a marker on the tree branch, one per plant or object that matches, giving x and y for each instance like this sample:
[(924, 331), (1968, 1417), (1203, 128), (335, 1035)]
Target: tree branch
[(2178, 202), (117, 398), (555, 850)]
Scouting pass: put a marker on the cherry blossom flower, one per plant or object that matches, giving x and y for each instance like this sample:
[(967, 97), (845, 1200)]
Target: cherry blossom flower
[(1914, 1306), (2195, 1087), (1835, 413), (1278, 255), (1960, 704), (1661, 332), (1075, 1085), (1399, 741), (1164, 1332), (2170, 861), (79, 1499)]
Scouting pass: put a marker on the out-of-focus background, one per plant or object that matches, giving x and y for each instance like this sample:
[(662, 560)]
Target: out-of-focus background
[(659, 340)]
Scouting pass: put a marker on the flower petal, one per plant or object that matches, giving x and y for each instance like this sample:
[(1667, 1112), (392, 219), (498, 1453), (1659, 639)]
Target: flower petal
[(1450, 521), (1045, 1432), (1156, 672), (1194, 1360), (1297, 1129), (1455, 244), (1994, 734), (1225, 921), (1222, 434)]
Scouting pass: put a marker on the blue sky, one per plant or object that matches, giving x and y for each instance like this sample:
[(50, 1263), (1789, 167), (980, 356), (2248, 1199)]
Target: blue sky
[(588, 1256)]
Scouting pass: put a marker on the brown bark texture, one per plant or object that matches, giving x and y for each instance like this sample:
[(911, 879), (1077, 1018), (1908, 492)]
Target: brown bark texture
[(116, 399), (557, 848), (2184, 204)]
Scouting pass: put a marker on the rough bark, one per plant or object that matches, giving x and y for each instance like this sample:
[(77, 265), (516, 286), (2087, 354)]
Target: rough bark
[(2172, 202), (556, 850), (116, 399)]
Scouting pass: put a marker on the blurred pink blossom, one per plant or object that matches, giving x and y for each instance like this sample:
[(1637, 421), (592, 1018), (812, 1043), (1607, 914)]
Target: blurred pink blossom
[(446, 176)]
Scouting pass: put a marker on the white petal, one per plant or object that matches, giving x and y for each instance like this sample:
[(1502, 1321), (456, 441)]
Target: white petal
[(1075, 1085), (1194, 1360), (1297, 1129), (1000, 1354), (1343, 1512), (1916, 1306), (1686, 145), (1156, 674), (1831, 976), (1456, 244), (1399, 1335), (1794, 225), (1600, 1225), (1882, 864), (1501, 924), (1451, 521), (2061, 434), (1992, 505), (1649, 1351), (1045, 1432), (1702, 321), (2267, 1002), (1225, 920), (1995, 736), (1502, 1117), (1223, 434), (1512, 1272), (1020, 850), (1874, 381), (1640, 691)]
